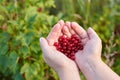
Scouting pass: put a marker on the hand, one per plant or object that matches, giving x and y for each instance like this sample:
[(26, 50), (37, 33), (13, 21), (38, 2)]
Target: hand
[(89, 59), (55, 59), (91, 42)]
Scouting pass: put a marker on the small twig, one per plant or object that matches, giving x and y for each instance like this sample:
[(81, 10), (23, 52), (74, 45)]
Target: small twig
[(109, 55)]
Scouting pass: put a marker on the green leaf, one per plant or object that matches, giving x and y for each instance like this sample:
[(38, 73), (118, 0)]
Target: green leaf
[(3, 48), (31, 20), (30, 70), (49, 3), (18, 76), (15, 43), (28, 37), (13, 57), (4, 37), (4, 63), (24, 51), (13, 22), (30, 17), (35, 47), (24, 68), (1, 18)]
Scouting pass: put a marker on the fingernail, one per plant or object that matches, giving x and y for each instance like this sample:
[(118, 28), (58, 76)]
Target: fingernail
[(41, 39)]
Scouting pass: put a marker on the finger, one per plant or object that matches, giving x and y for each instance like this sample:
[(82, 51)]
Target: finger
[(66, 32), (94, 40), (55, 32), (79, 30), (53, 35), (44, 44), (92, 34), (61, 22), (68, 24)]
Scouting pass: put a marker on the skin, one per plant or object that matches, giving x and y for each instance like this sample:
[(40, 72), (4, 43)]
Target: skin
[(88, 60), (64, 67)]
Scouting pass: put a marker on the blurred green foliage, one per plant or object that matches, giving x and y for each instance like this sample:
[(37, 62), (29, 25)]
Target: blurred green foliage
[(23, 22)]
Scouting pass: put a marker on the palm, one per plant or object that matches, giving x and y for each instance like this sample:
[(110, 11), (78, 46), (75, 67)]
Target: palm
[(52, 56), (91, 42)]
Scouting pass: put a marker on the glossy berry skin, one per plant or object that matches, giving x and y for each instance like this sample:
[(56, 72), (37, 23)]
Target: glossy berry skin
[(69, 46)]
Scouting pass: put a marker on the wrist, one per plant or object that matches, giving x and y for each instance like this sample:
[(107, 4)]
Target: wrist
[(69, 73), (96, 69), (90, 61), (89, 67), (68, 68)]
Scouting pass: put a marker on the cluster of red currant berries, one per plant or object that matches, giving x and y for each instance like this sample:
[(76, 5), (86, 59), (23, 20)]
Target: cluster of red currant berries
[(69, 46)]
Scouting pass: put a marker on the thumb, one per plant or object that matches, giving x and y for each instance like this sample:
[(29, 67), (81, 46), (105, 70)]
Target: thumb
[(44, 44), (92, 34)]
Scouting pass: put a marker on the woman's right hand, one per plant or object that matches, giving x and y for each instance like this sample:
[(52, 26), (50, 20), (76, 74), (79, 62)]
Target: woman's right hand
[(89, 59)]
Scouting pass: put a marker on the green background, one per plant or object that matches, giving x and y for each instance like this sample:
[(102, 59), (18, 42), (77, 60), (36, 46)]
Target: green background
[(23, 22)]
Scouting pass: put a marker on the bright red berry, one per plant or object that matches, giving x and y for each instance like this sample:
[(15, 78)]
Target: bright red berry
[(69, 46)]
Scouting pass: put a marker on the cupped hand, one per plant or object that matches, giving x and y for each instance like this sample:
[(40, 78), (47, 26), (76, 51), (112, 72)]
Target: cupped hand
[(89, 59), (53, 57), (91, 42)]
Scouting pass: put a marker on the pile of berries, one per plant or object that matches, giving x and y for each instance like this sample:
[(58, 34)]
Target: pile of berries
[(69, 46)]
